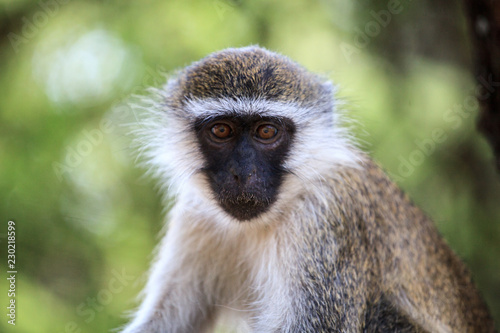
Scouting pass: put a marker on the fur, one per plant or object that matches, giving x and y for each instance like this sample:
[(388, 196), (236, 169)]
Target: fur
[(341, 250)]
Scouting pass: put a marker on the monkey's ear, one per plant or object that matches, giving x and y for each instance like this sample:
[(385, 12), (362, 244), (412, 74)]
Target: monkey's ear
[(329, 88), (325, 97)]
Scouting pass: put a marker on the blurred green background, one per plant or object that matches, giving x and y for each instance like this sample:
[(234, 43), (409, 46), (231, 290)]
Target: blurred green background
[(87, 218)]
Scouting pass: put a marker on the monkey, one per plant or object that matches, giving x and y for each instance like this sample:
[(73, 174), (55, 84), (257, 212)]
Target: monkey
[(279, 220)]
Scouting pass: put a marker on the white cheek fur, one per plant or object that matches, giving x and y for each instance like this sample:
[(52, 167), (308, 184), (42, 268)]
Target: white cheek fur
[(169, 147)]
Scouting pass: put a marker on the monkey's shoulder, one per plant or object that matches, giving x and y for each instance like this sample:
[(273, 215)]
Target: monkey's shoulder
[(367, 192)]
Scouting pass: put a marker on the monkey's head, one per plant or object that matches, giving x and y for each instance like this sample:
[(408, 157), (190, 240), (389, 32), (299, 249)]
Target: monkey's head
[(245, 123)]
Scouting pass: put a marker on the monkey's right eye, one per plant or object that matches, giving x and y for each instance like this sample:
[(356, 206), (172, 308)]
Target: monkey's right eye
[(221, 131)]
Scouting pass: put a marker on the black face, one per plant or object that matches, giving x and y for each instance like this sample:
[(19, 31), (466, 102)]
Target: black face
[(245, 157)]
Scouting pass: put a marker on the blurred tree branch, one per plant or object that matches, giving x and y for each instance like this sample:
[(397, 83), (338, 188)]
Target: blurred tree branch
[(484, 22)]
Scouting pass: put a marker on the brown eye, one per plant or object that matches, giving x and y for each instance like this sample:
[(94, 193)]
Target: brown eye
[(221, 131), (266, 132)]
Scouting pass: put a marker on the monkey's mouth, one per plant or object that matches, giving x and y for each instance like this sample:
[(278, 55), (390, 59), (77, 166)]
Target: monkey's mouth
[(244, 206)]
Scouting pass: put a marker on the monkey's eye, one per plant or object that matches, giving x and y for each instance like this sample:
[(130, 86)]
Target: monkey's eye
[(221, 131), (266, 132)]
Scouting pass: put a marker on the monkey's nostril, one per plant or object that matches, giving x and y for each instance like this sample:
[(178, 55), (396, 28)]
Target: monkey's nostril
[(236, 178)]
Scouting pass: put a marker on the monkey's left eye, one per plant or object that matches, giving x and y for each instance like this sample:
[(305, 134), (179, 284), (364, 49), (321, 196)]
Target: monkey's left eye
[(266, 132), (221, 131)]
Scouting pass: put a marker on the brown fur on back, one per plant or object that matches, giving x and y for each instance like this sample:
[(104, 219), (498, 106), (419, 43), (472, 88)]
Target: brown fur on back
[(387, 251)]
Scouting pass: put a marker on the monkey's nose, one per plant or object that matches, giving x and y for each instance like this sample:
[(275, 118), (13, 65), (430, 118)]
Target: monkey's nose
[(243, 175), (236, 178)]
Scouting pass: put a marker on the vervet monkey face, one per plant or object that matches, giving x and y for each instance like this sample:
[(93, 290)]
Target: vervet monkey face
[(244, 157)]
